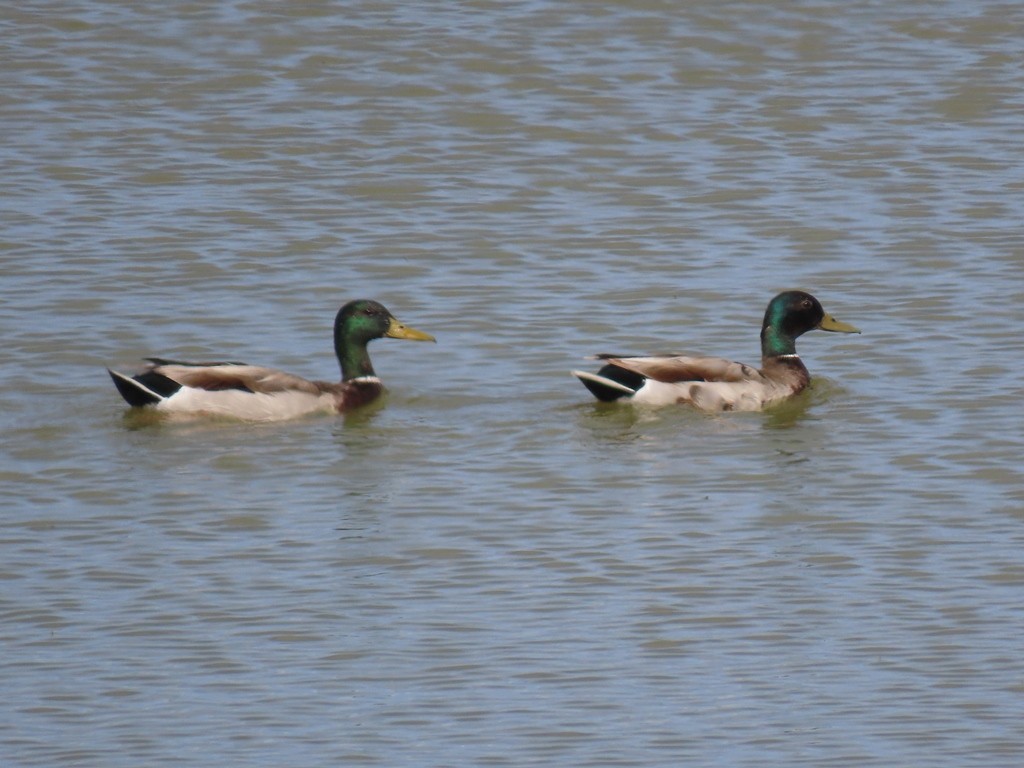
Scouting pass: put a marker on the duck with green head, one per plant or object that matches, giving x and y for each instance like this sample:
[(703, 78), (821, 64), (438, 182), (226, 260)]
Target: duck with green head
[(254, 393), (717, 384)]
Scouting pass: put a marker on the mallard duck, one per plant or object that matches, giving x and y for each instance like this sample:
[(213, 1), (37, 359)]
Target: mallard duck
[(264, 394), (716, 384)]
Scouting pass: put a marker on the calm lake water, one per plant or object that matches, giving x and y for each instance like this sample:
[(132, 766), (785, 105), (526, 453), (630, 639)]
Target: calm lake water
[(490, 569)]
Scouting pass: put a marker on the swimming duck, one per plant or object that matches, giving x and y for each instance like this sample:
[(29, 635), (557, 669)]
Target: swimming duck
[(254, 393), (716, 384)]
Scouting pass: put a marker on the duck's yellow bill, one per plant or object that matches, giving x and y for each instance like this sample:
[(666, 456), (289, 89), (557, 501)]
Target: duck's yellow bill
[(829, 323), (398, 331)]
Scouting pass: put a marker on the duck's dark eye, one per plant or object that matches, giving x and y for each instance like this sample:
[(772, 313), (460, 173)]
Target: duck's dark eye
[(805, 304)]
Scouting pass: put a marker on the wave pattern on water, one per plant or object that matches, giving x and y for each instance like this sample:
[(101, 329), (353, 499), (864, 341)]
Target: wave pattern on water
[(490, 569)]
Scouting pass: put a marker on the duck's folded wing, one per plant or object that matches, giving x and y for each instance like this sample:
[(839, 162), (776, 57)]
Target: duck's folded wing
[(222, 376), (679, 368)]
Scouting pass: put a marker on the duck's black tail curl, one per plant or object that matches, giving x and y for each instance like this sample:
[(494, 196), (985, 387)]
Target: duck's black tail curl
[(145, 389), (611, 383)]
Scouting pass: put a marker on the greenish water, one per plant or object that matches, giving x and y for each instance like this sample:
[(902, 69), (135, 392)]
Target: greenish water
[(489, 568)]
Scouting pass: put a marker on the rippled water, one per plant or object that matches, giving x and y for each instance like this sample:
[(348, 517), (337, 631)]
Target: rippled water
[(490, 568)]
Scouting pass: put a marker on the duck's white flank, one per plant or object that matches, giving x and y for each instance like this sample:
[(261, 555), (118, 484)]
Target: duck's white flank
[(248, 406)]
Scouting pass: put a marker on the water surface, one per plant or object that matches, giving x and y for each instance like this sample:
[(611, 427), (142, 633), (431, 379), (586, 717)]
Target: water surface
[(490, 568)]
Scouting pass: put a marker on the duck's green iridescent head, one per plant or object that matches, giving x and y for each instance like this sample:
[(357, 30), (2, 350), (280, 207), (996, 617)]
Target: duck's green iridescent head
[(363, 320), (360, 322), (790, 315)]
